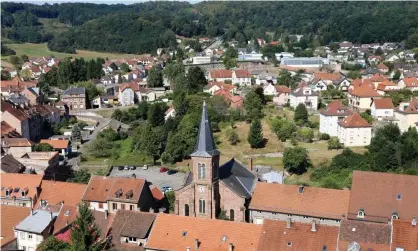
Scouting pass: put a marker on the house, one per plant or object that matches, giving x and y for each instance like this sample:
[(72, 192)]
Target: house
[(241, 78), (391, 58), (220, 75), (288, 235), (380, 197), (382, 108), (131, 229), (298, 203), (8, 132), (265, 77), (322, 80), (213, 87), (354, 131), (75, 98), (173, 232), (406, 114), (363, 235), (16, 147), (409, 83), (383, 68), (11, 165), (60, 145), (404, 234), (269, 89), (361, 97), (109, 194), (303, 62), (104, 100), (33, 95), (30, 235), (20, 189), (57, 192), (304, 95), (282, 95), (16, 118), (377, 79), (170, 113), (41, 163), (345, 45), (234, 101), (10, 217), (126, 95), (214, 187), (386, 86), (330, 116)]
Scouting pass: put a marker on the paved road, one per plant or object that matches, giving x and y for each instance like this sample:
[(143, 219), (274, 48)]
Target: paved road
[(153, 175)]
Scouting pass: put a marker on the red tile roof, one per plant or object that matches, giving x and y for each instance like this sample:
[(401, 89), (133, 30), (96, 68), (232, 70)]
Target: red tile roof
[(384, 103), (313, 201), (411, 82), (382, 194), (173, 232), (405, 235), (221, 85), (378, 78), (275, 236), (327, 76), (17, 142), (221, 73), (242, 74), (382, 66), (6, 129), (57, 143), (282, 89), (55, 192), (335, 108), (411, 108), (354, 120), (364, 91), (157, 194), (13, 180), (10, 217), (360, 82)]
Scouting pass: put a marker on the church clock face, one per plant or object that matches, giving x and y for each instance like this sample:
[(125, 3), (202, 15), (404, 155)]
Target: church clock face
[(201, 189)]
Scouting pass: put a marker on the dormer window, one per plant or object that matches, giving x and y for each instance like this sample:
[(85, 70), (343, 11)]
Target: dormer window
[(8, 191), (398, 196), (118, 193), (129, 194), (395, 216), (360, 213)]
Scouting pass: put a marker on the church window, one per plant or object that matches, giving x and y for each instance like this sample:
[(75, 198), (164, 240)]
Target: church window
[(231, 214), (186, 210), (202, 206), (201, 171)]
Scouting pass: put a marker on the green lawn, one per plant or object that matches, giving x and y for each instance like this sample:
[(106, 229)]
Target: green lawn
[(39, 50)]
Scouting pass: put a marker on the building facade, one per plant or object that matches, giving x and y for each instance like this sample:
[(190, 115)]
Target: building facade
[(75, 98), (330, 116)]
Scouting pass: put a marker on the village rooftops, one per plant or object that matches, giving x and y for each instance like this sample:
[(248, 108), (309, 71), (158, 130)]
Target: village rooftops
[(405, 234), (327, 76), (10, 217), (238, 178), (102, 189), (304, 90), (297, 200), (56, 192), (173, 232), (16, 185), (384, 103), (221, 73), (354, 121), (379, 197), (409, 108), (75, 91), (335, 108), (280, 235), (17, 142), (364, 91), (37, 222), (10, 165), (57, 143), (282, 89), (242, 73)]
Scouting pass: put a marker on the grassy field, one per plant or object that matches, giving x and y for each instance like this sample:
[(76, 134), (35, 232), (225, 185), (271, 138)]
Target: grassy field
[(39, 50)]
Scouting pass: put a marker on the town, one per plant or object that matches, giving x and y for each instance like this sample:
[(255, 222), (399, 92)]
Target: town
[(274, 143)]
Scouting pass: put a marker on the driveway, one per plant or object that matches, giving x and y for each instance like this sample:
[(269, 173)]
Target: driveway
[(153, 175)]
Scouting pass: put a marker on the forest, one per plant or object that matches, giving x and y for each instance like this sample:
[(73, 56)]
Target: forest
[(143, 27)]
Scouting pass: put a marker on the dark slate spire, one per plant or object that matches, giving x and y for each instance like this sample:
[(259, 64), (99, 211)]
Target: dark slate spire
[(205, 146)]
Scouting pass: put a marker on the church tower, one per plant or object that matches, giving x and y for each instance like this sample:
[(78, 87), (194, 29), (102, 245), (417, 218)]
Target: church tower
[(205, 159)]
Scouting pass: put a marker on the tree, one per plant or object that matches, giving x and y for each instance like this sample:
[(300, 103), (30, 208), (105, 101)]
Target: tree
[(260, 92), (196, 79), (155, 77), (253, 105), (124, 67), (156, 114), (85, 235), (397, 75), (81, 176), (255, 136), (354, 75), (285, 78), (230, 58), (296, 160), (117, 114), (301, 115), (334, 143), (42, 147), (151, 142), (232, 136), (172, 70), (76, 133), (366, 116), (305, 134), (26, 74), (5, 75), (53, 244), (113, 66)]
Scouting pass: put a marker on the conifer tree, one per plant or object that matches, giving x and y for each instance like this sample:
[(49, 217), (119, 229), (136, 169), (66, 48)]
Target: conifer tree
[(255, 136)]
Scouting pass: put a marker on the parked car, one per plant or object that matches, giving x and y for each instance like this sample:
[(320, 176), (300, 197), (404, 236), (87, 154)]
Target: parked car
[(163, 169), (120, 168), (145, 167), (133, 167), (126, 168), (170, 172)]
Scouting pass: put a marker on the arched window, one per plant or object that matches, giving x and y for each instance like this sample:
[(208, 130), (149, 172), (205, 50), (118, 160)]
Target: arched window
[(232, 215), (202, 206), (201, 171), (186, 210)]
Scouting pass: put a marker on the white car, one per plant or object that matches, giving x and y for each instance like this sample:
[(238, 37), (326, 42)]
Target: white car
[(145, 167)]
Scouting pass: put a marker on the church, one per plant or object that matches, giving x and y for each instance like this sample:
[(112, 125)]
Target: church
[(211, 187)]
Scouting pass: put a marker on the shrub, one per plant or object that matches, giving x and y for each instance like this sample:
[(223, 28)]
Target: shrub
[(305, 134), (334, 143), (296, 160), (232, 136), (324, 136)]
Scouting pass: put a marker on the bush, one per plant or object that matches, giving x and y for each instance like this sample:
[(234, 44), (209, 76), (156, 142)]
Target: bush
[(293, 141), (324, 136), (232, 136), (334, 143), (305, 134), (296, 160)]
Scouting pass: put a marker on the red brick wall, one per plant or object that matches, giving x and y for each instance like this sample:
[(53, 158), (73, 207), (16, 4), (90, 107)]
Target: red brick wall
[(230, 200)]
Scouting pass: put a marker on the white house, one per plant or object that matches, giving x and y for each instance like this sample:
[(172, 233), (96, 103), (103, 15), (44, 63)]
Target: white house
[(406, 114), (382, 108), (409, 83), (269, 89), (241, 78), (354, 131), (265, 77), (304, 95), (216, 86), (330, 116), (34, 229), (126, 95), (201, 59), (391, 58), (282, 95), (170, 113)]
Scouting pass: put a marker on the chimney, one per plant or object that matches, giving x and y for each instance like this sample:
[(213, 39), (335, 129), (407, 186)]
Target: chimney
[(250, 164), (187, 248), (300, 188), (313, 229), (231, 247), (288, 223), (414, 221), (196, 244), (106, 213)]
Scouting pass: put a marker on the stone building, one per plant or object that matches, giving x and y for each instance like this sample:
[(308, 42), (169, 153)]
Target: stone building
[(75, 98), (213, 188)]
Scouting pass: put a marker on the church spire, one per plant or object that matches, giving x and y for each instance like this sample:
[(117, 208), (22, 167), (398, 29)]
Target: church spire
[(205, 145)]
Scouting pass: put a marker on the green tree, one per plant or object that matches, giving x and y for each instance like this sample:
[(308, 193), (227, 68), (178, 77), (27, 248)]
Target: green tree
[(156, 114), (253, 105), (230, 58), (354, 75), (81, 176), (366, 116), (5, 75), (26, 74), (117, 114), (171, 198), (151, 142), (334, 143), (255, 136), (15, 61), (260, 92), (85, 235), (232, 136), (397, 75), (285, 78), (196, 79), (301, 115), (124, 67), (172, 70), (155, 77), (76, 133), (296, 160), (42, 147), (113, 66), (53, 244), (305, 134), (91, 90)]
